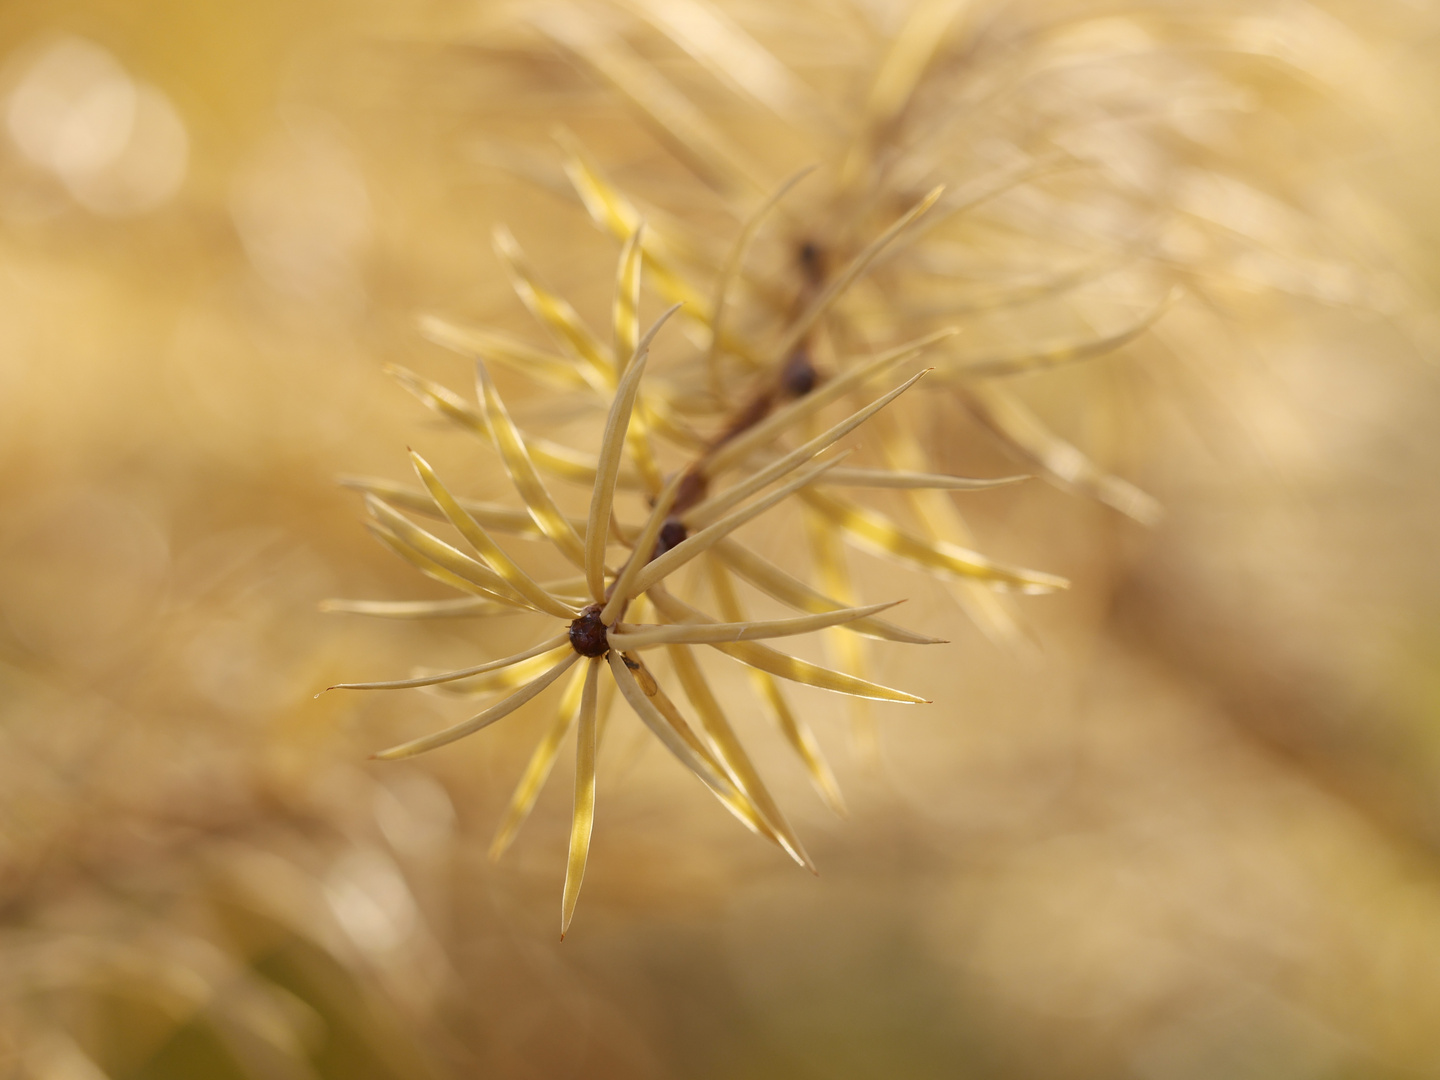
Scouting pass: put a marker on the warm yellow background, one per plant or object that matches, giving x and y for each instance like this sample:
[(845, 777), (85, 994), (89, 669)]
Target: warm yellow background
[(1196, 835)]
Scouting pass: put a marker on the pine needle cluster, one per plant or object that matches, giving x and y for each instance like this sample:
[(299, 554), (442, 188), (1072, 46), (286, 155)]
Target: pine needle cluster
[(742, 472), (893, 260)]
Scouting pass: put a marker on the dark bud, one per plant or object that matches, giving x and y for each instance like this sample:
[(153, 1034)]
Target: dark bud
[(812, 262), (587, 633), (671, 533), (798, 375)]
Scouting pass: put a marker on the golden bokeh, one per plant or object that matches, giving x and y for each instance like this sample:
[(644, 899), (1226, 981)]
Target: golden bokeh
[(1175, 822)]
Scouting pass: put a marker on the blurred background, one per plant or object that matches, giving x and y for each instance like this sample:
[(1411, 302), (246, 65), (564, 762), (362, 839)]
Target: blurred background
[(1193, 832)]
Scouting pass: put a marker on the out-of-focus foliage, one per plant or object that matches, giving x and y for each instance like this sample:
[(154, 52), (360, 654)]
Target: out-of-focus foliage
[(1191, 834)]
